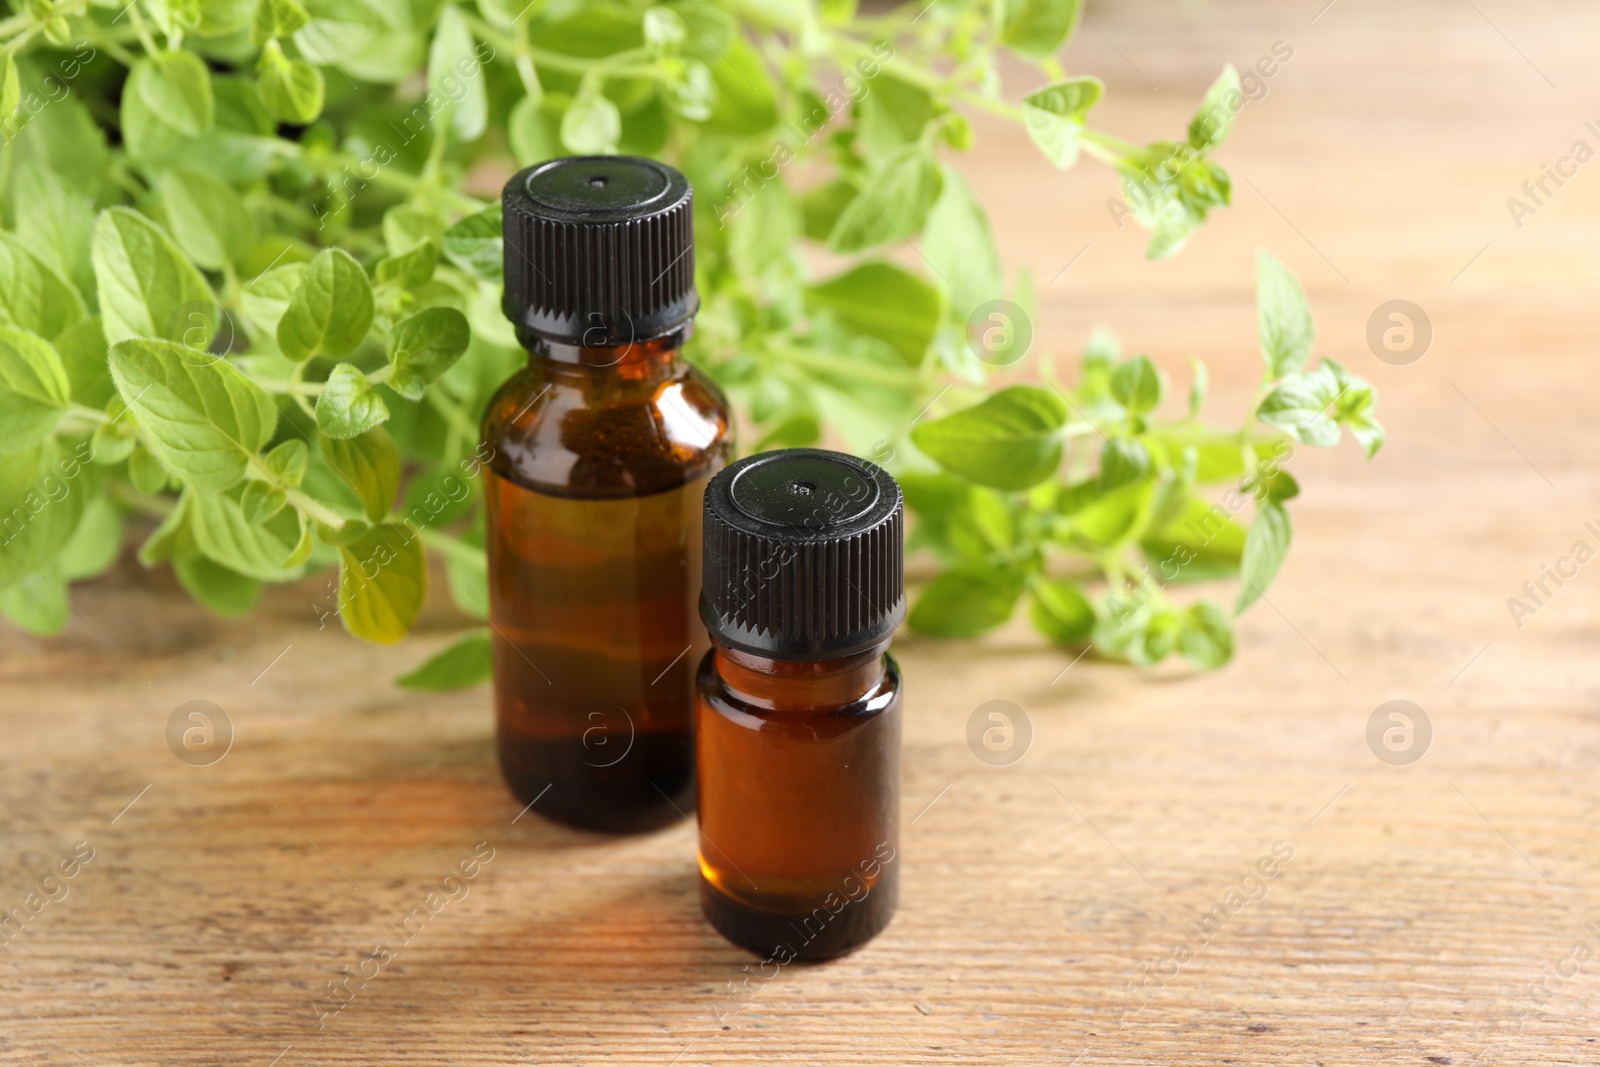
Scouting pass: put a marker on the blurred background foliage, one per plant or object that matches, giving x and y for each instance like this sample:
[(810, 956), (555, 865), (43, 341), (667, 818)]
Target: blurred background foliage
[(250, 288)]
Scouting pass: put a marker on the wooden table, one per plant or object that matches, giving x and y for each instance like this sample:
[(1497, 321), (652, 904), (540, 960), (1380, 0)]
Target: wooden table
[(1443, 912)]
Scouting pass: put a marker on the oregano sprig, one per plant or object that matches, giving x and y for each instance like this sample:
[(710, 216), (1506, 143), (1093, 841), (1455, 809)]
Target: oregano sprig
[(250, 271)]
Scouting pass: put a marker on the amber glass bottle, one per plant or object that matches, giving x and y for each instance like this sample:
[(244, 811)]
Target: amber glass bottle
[(798, 716), (600, 450)]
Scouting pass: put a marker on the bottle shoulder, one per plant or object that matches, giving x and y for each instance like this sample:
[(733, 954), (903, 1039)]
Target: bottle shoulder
[(602, 433), (794, 704)]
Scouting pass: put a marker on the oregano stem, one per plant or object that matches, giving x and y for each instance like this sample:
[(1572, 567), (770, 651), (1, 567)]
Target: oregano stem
[(318, 512)]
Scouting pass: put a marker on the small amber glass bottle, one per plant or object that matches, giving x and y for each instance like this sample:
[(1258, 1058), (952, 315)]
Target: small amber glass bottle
[(798, 718), (600, 450)]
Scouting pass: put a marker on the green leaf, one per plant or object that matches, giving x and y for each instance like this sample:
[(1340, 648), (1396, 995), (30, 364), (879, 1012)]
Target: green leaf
[(1171, 189), (1283, 317), (370, 464), (207, 217), (746, 100), (412, 267), (1071, 499), (423, 347), (288, 461), (475, 244), (1115, 518), (822, 204), (170, 538), (461, 664), (1054, 117), (1265, 545), (198, 414), (1307, 406), (441, 494), (223, 532), (693, 91), (166, 98), (1211, 123), (455, 74), (893, 113), (884, 301), (405, 226), (348, 404), (10, 89), (1198, 543), (1122, 461), (146, 473), (1059, 610), (291, 90), (1206, 639), (379, 42), (82, 348), (959, 245), (956, 519), (38, 602), (892, 204), (259, 502), (147, 288), (664, 31), (276, 18), (382, 583), (1136, 384), (798, 429), (1367, 431), (1354, 403), (267, 297), (33, 294), (34, 389), (221, 591), (966, 601), (95, 544), (1009, 441), (1218, 462), (331, 309), (591, 125), (763, 232), (43, 493), (1038, 27), (53, 221), (528, 132)]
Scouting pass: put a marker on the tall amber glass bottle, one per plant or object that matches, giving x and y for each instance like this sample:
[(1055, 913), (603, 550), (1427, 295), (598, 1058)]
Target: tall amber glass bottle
[(798, 718), (600, 452)]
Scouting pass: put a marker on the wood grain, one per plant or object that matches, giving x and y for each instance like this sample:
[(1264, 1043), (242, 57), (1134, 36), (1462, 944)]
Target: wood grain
[(1421, 909)]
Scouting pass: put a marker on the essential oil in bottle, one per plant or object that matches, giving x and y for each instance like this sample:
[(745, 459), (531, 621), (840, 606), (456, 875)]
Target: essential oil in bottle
[(600, 450), (797, 728)]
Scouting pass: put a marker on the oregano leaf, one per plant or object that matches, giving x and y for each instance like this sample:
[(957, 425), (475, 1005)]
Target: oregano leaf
[(1266, 542), (460, 664), (147, 287), (370, 464), (331, 309), (34, 390), (382, 583), (348, 404), (1009, 441), (423, 347), (202, 418)]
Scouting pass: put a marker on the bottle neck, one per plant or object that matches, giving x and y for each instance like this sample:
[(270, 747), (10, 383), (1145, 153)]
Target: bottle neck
[(805, 686), (651, 360)]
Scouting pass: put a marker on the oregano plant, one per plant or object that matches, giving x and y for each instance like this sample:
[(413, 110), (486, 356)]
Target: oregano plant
[(1044, 493), (250, 275)]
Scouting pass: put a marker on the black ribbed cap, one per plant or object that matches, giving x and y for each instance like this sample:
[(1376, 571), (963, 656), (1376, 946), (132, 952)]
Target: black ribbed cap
[(599, 250), (804, 555)]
